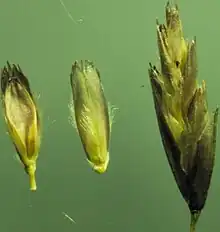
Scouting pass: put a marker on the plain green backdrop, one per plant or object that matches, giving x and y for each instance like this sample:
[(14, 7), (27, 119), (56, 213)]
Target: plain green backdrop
[(138, 192)]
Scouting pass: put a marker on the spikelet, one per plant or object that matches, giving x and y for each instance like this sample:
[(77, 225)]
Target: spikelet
[(22, 118), (187, 129), (92, 115)]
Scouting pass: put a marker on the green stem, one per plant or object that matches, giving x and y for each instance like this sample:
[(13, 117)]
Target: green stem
[(194, 218), (33, 185), (31, 169)]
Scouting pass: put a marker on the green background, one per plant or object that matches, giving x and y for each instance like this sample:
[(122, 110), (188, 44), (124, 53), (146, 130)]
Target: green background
[(138, 192)]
